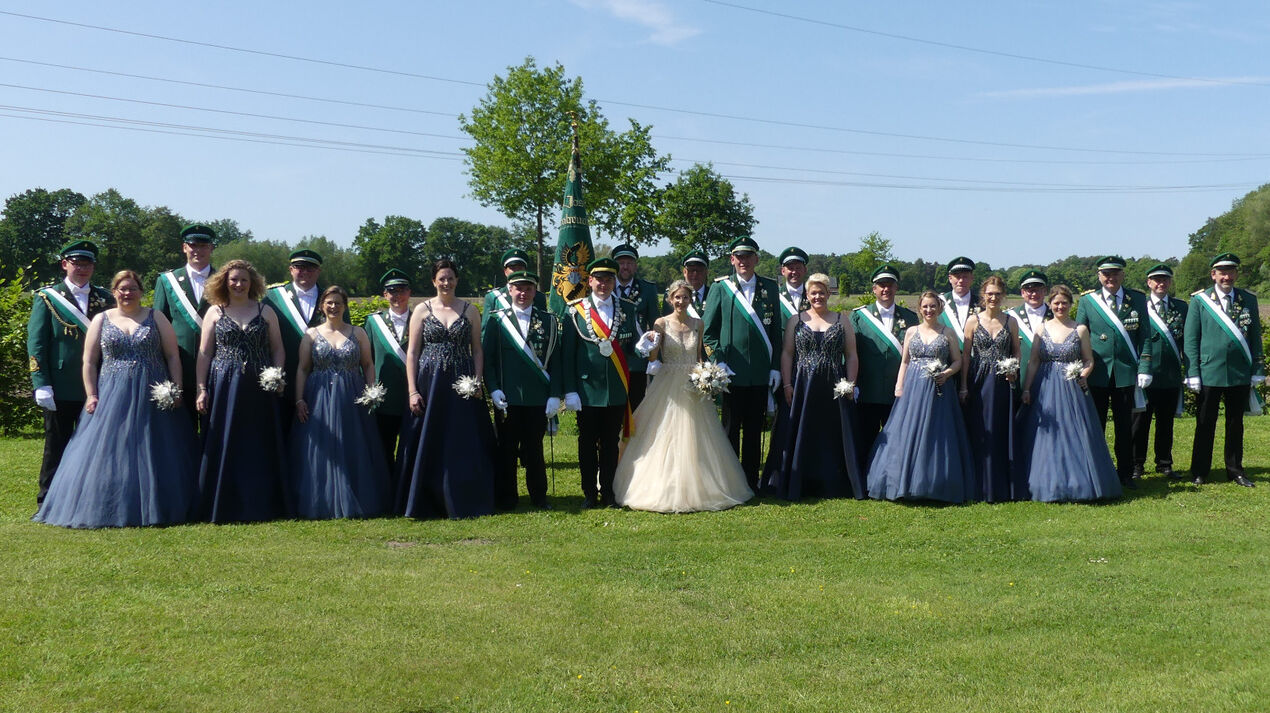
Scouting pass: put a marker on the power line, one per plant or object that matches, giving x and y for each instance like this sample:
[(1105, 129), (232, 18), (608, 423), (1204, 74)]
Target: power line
[(980, 50), (816, 149), (651, 107), (993, 189)]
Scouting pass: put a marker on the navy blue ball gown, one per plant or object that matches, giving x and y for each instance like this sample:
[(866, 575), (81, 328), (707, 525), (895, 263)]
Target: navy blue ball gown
[(1063, 448), (337, 461), (922, 452), (447, 452), (129, 463), (243, 471), (817, 456), (990, 418)]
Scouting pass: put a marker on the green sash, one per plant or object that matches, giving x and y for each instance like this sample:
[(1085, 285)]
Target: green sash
[(64, 306), (749, 309), (292, 312), (1095, 299), (881, 329), (188, 311), (511, 327), (384, 333), (1235, 333)]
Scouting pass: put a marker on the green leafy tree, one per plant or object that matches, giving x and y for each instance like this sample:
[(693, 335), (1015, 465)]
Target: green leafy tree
[(477, 249), (228, 230), (115, 224), (701, 211), (397, 242), (32, 230), (269, 257), (627, 206), (340, 266), (18, 411)]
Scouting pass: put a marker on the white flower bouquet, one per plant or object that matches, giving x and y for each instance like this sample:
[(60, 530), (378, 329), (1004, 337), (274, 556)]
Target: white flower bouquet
[(843, 388), (1072, 370), (469, 387), (165, 394), (1008, 366), (709, 379), (933, 369), (272, 379), (372, 396)]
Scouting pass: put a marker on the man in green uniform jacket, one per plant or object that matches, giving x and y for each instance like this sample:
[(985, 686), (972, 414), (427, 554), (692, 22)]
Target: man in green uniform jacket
[(743, 333), (524, 374), (1030, 316), (643, 295), (178, 294), (695, 266), (599, 340), (879, 329), (1116, 317), (1223, 363), (962, 300), (295, 304), (1163, 352), (389, 332), (514, 260), (60, 315)]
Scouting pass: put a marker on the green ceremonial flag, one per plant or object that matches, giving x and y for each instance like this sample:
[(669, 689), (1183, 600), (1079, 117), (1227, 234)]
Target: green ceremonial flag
[(573, 249)]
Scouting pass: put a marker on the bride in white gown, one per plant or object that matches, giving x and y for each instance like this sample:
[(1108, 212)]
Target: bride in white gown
[(679, 459)]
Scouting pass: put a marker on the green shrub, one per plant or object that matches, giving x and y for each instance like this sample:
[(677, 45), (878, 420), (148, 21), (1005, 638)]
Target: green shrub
[(18, 411)]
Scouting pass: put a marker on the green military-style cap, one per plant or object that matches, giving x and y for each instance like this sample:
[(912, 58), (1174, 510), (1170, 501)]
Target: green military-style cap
[(885, 271), (394, 278), (1111, 262), (961, 262), (696, 257), (624, 250), (197, 233), (309, 257), (1225, 260), (743, 244), (523, 276), (1160, 270), (515, 255), (602, 266), (79, 248), (1033, 277), (792, 254)]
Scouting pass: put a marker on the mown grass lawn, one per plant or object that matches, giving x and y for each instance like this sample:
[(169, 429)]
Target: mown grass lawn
[(1154, 603)]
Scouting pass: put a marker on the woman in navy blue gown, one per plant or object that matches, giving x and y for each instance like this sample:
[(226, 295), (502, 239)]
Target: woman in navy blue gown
[(129, 463), (987, 391), (923, 452), (817, 457), (1064, 449), (447, 467), (337, 461), (242, 473)]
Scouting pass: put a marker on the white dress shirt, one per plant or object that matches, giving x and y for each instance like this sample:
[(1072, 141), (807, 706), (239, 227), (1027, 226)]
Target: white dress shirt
[(80, 294), (399, 321), (308, 300), (197, 279), (1035, 316), (605, 309), (1160, 304), (795, 295), (961, 303), (522, 316), (1113, 299), (887, 315), (747, 288), (1223, 298)]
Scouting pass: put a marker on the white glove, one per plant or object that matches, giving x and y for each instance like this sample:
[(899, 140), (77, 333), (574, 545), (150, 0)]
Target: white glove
[(44, 397), (1258, 379), (572, 402), (647, 343), (773, 380), (1144, 380), (553, 405), (726, 369), (1192, 383), (653, 368), (499, 399)]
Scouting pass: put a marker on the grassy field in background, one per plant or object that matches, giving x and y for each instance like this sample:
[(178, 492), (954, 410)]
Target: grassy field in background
[(1153, 603)]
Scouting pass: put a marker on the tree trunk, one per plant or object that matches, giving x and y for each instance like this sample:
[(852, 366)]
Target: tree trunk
[(540, 244)]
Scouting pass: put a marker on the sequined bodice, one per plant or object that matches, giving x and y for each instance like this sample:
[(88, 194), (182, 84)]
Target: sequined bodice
[(242, 346), (345, 357), (1064, 351), (818, 351), (121, 351), (936, 349), (990, 350), (679, 348), (447, 348)]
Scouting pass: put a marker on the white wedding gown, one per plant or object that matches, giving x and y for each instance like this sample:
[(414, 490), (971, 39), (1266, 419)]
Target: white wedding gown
[(679, 459)]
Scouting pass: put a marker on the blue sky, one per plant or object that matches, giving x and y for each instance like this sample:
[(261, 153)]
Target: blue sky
[(934, 124)]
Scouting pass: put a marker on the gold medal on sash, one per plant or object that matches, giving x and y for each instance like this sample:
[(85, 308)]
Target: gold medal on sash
[(606, 348)]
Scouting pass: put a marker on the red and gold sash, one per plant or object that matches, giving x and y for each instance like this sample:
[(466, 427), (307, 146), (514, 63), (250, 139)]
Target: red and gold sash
[(618, 357)]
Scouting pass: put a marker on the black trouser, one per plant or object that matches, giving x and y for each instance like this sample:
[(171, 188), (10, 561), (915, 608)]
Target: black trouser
[(389, 430), (58, 427), (599, 428), (1210, 399), (744, 409), (189, 395), (520, 433), (869, 419), (1162, 404), (639, 385), (1120, 399)]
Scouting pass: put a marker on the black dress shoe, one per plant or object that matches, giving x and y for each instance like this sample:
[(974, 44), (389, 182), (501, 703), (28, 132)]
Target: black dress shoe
[(540, 504), (1169, 473), (1130, 483), (1241, 480), (1198, 480), (590, 503), (1138, 472)]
